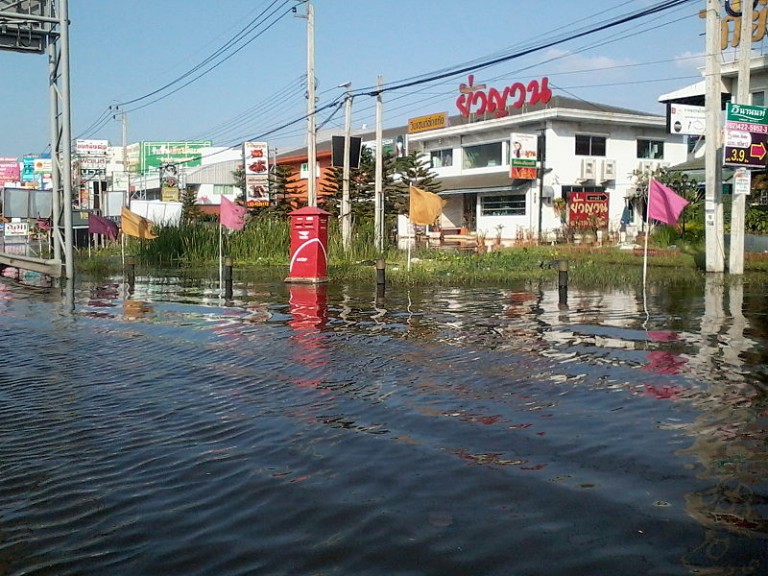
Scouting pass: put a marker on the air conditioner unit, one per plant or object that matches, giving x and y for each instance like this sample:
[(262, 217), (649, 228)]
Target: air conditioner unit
[(588, 168), (645, 166), (608, 170)]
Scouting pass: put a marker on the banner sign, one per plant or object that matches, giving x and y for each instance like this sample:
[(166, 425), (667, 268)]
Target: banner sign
[(153, 155), (9, 170), (169, 183), (91, 147), (256, 166), (425, 123), (588, 210), (524, 149), (746, 136)]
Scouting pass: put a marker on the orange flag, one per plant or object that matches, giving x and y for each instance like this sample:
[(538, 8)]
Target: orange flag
[(134, 225), (425, 207)]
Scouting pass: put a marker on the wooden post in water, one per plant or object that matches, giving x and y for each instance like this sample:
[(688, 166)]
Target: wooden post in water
[(130, 271), (562, 281), (381, 267), (228, 278)]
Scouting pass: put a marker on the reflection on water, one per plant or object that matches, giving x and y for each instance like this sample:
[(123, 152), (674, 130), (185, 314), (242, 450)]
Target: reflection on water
[(331, 429)]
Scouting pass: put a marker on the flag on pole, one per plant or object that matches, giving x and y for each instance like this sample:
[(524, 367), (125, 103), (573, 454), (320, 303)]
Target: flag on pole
[(231, 215), (425, 207), (664, 204), (100, 225), (134, 225)]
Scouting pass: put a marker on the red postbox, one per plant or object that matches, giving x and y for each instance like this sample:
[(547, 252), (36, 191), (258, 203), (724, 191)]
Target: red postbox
[(309, 246)]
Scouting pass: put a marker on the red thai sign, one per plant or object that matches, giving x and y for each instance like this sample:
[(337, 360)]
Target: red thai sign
[(475, 100), (588, 210)]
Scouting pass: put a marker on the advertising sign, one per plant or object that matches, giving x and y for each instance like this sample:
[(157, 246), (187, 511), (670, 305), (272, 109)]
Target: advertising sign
[(16, 230), (429, 122), (9, 170), (169, 183), (28, 170), (256, 166), (742, 181), (524, 150), (588, 210), (153, 155), (91, 147), (746, 136), (686, 119), (43, 166)]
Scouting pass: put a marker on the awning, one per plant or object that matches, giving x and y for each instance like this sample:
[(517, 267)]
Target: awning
[(494, 183)]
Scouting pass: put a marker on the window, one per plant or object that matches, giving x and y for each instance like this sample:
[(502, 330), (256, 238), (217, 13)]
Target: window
[(219, 189), (590, 145), (304, 171), (758, 98), (650, 149), (503, 205), (482, 155), (441, 158)]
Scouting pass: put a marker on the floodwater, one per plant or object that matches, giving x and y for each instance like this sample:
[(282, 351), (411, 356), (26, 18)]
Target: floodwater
[(300, 430)]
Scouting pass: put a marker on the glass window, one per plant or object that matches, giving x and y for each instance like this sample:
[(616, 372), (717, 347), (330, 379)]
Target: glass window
[(503, 205), (441, 158), (758, 98), (590, 145), (650, 149), (219, 189), (482, 155)]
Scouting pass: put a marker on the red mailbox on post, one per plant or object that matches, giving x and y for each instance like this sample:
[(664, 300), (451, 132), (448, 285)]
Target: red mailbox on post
[(309, 246)]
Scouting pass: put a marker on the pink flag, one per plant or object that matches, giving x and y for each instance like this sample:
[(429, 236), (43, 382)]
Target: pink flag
[(664, 204), (231, 215)]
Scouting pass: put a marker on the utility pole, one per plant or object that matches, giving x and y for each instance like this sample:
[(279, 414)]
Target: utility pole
[(346, 205), (378, 216), (739, 201), (713, 199), (311, 131)]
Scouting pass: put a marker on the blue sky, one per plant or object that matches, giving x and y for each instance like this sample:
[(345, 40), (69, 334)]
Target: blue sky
[(121, 51)]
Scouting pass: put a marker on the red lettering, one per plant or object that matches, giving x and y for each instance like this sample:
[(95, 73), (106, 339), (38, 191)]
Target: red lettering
[(475, 100)]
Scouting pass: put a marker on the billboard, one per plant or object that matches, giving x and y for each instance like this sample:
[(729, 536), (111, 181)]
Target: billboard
[(20, 33), (256, 166), (154, 155), (524, 150), (9, 170)]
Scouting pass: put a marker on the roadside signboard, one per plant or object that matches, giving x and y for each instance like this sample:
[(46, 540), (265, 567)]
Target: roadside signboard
[(686, 119), (746, 136), (256, 166), (742, 181), (524, 149), (154, 155), (588, 210)]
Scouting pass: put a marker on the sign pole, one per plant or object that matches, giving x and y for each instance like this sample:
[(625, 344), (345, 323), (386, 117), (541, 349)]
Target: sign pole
[(713, 202)]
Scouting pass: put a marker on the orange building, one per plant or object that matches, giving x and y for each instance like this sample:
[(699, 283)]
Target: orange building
[(297, 161)]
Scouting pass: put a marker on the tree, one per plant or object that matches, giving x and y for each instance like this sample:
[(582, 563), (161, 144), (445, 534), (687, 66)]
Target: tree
[(282, 183), (189, 209)]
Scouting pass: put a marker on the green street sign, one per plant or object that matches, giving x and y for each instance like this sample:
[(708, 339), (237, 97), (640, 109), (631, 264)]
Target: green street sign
[(747, 114)]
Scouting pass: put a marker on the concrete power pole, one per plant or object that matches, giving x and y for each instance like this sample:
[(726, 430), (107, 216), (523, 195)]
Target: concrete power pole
[(713, 199), (311, 131), (739, 201), (346, 205), (378, 216)]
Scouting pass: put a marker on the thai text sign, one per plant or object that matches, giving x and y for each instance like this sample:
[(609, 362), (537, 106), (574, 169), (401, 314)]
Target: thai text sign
[(9, 170), (157, 154), (430, 122), (588, 210), (522, 157), (745, 142), (474, 99)]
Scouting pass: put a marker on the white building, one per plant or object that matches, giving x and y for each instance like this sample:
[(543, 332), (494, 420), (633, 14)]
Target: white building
[(589, 151)]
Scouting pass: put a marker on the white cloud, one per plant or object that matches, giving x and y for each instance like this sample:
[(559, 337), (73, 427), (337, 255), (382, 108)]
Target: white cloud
[(689, 60)]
